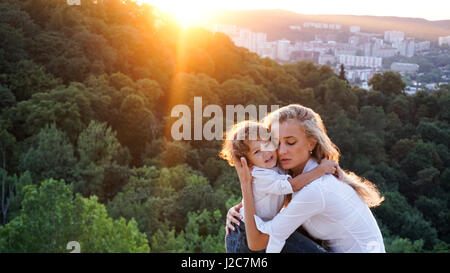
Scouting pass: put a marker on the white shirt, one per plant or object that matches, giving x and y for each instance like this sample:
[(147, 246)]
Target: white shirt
[(270, 187), (329, 210)]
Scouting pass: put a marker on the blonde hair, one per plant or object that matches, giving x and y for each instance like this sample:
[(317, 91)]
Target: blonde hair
[(236, 145), (314, 128)]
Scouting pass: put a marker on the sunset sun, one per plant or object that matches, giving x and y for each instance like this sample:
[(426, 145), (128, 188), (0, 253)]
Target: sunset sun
[(187, 13)]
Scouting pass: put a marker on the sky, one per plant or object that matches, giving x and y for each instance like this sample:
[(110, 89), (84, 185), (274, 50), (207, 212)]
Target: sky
[(191, 10)]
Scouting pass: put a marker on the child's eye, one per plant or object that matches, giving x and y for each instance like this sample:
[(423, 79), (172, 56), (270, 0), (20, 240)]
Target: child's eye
[(257, 151)]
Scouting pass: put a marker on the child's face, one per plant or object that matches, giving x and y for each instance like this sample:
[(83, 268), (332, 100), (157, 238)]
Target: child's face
[(261, 154)]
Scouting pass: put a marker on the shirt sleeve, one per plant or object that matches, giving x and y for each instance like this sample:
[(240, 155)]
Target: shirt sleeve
[(304, 204), (269, 181)]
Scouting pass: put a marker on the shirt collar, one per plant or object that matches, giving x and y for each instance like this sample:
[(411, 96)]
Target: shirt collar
[(311, 164)]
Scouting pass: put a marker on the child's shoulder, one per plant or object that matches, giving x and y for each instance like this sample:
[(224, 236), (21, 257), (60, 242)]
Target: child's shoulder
[(257, 169), (262, 172)]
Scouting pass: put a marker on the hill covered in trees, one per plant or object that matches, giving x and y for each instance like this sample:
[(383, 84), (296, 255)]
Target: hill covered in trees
[(276, 23), (86, 152)]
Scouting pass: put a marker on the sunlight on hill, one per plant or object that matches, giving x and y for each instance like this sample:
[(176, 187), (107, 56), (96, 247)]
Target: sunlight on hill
[(187, 13)]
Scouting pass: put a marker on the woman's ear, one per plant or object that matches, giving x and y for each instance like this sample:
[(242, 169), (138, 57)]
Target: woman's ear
[(312, 144)]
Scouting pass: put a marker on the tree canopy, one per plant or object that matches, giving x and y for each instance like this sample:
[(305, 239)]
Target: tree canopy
[(86, 154)]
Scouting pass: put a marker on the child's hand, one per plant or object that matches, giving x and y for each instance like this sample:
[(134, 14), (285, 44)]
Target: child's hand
[(339, 173), (244, 173), (328, 166)]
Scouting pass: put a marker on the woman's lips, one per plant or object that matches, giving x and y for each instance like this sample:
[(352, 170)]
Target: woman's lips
[(285, 160)]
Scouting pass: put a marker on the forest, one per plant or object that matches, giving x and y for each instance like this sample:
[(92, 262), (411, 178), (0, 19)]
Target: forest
[(86, 153)]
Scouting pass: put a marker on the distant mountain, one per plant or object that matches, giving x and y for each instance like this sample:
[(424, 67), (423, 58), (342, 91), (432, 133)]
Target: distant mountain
[(276, 23)]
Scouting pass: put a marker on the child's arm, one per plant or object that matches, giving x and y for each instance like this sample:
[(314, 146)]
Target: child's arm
[(326, 166)]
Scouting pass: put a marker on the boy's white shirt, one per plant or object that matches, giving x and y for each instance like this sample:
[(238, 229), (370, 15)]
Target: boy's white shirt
[(270, 187)]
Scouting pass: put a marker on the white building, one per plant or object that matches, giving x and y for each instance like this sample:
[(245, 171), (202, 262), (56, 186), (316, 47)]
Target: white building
[(408, 68), (283, 51), (295, 27), (355, 29), (353, 40), (253, 41), (321, 25), (384, 52), (393, 36), (422, 46), (361, 74), (444, 40), (360, 61), (269, 50), (326, 59), (405, 47)]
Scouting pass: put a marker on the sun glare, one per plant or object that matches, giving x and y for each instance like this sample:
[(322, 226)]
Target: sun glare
[(187, 13)]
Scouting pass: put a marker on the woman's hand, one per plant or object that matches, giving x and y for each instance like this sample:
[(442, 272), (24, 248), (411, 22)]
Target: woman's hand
[(232, 217)]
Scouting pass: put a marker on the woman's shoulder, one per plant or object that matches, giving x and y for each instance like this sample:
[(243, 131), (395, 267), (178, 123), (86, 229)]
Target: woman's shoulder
[(325, 182), (330, 184)]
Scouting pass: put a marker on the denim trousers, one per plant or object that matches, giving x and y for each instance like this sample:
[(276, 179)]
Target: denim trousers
[(236, 242)]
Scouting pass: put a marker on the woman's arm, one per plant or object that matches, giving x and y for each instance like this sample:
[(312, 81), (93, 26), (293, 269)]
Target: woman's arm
[(304, 204), (303, 179), (256, 240)]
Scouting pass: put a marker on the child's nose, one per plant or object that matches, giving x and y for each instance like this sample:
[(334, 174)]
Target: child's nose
[(267, 155)]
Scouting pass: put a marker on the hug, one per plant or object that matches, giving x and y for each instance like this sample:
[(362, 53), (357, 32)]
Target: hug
[(296, 199)]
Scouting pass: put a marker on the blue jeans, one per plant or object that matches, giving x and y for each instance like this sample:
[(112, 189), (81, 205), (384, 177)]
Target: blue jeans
[(236, 242)]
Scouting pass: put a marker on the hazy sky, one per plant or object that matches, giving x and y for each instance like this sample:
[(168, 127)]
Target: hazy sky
[(428, 9)]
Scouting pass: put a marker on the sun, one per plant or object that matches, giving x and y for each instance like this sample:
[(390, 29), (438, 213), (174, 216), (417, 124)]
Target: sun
[(187, 13)]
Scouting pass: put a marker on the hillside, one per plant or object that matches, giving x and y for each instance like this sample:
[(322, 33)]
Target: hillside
[(276, 22), (87, 153)]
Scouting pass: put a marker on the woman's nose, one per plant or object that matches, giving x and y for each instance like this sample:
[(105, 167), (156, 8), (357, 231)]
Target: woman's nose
[(281, 149)]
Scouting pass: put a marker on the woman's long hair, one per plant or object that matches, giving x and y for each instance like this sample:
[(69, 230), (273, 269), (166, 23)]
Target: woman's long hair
[(314, 128)]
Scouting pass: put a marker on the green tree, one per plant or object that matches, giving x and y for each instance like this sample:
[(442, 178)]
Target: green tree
[(388, 83), (136, 124), (339, 92), (7, 98), (406, 221), (68, 107), (30, 78), (204, 232), (51, 155), (342, 73), (103, 163), (404, 245), (51, 217), (138, 200)]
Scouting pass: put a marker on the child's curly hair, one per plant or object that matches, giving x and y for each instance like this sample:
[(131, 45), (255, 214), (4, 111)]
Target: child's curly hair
[(235, 144)]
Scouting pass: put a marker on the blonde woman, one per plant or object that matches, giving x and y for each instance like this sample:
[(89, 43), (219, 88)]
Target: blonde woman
[(336, 212)]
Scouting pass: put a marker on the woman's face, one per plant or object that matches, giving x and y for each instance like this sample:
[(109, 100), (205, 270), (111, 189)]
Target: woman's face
[(294, 147)]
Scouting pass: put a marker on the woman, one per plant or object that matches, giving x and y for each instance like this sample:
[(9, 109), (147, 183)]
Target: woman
[(328, 209)]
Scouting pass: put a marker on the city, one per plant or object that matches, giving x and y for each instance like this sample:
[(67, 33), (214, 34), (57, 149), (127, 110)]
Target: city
[(362, 54)]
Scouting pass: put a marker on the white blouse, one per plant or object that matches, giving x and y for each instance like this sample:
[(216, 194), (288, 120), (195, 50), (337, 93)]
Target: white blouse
[(329, 210), (270, 187)]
